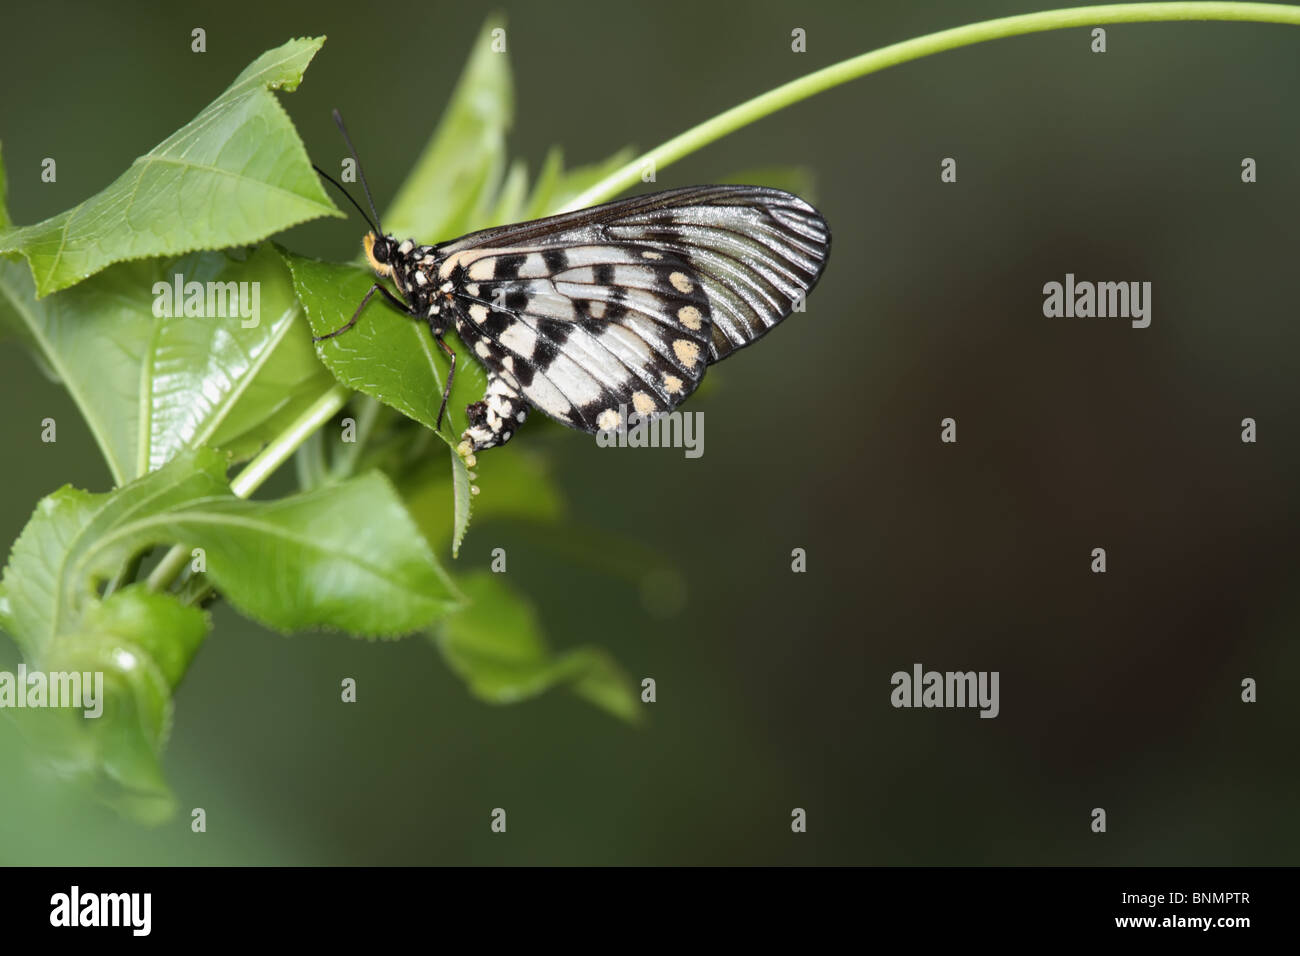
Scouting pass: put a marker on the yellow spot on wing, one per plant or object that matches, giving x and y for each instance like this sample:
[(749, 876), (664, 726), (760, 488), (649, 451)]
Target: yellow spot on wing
[(688, 353)]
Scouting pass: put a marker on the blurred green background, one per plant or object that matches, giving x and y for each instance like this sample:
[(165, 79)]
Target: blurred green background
[(1119, 691)]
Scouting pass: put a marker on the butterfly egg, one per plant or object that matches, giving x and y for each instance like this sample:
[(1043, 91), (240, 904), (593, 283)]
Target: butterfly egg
[(473, 489)]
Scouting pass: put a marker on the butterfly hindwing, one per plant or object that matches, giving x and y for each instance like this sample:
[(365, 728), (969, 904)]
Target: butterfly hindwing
[(590, 337)]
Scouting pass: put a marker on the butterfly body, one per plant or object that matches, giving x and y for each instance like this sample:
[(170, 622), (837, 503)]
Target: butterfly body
[(615, 310)]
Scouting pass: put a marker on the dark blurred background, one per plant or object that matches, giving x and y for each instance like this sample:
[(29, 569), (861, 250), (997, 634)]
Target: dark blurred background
[(1119, 691)]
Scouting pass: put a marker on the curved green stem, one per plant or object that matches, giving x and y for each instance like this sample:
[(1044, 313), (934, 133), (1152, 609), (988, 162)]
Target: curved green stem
[(286, 443), (839, 73)]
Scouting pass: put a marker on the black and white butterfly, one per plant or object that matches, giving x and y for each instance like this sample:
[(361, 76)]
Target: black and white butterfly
[(596, 315)]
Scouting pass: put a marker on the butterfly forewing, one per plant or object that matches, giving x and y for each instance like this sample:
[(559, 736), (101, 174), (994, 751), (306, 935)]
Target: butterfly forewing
[(621, 307)]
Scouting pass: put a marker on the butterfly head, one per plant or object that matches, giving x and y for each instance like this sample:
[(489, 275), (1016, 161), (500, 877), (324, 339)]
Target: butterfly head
[(380, 253)]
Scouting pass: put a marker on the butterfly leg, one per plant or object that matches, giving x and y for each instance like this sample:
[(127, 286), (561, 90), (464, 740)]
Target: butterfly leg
[(357, 314), (498, 416), (451, 376)]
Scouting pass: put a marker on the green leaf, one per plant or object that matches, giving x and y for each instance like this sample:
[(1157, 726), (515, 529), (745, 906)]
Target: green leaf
[(539, 201), (235, 174), (168, 632), (386, 355), (151, 385), (462, 495), (141, 642), (345, 556), (213, 381), (454, 184), (512, 196), (496, 646), (76, 539)]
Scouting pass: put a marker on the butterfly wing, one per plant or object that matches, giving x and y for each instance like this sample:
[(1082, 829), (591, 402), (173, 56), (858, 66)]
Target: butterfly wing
[(621, 307)]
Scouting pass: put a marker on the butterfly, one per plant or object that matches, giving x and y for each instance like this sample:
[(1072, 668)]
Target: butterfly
[(608, 312)]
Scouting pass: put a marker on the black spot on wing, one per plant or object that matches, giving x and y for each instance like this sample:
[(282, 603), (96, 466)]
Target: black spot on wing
[(551, 336), (496, 323), (544, 353), (507, 266), (593, 327), (553, 330), (524, 373)]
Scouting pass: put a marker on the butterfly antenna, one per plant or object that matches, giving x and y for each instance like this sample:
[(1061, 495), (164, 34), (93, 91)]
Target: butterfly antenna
[(338, 118), (339, 187)]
